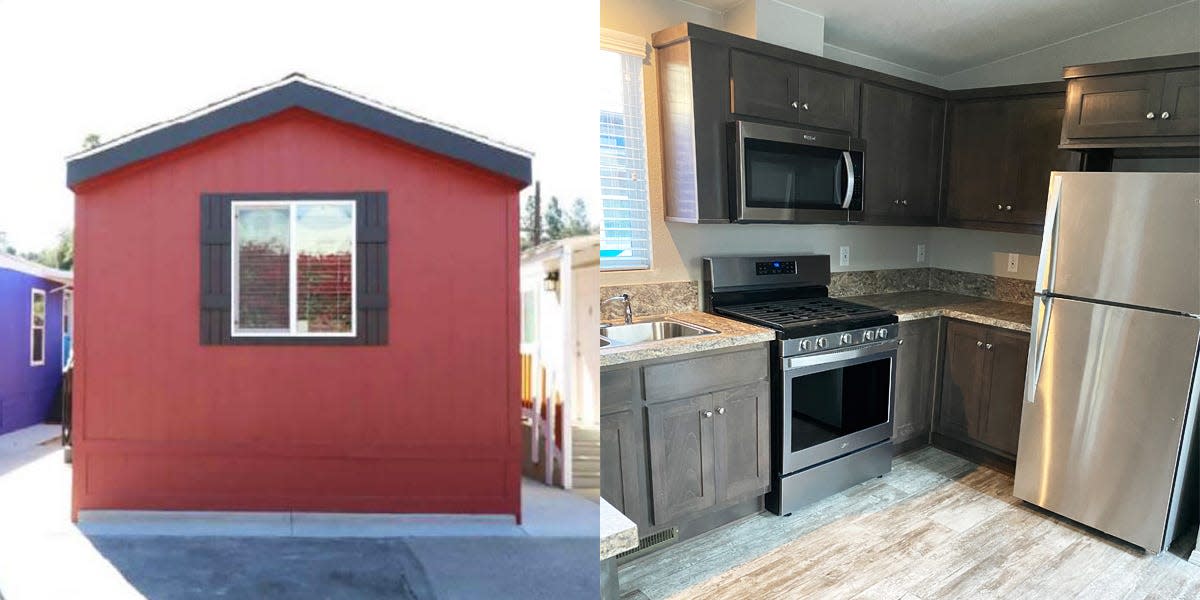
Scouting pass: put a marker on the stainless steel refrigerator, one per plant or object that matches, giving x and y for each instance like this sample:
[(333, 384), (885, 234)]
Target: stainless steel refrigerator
[(1110, 404)]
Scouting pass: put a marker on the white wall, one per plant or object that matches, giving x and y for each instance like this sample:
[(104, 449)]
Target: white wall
[(1170, 31)]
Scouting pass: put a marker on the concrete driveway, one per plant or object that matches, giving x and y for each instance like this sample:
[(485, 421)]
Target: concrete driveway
[(43, 555)]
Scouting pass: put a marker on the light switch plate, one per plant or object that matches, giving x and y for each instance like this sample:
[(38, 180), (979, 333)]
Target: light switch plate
[(844, 256), (1012, 262), (920, 253)]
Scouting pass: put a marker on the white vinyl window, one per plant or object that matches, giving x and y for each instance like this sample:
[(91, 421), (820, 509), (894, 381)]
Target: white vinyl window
[(293, 268), (37, 328), (624, 193)]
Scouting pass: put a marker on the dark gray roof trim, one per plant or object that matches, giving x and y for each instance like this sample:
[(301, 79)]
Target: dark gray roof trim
[(299, 93)]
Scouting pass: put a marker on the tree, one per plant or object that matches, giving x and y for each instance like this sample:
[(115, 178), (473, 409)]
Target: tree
[(90, 141), (578, 222), (555, 223), (61, 255), (5, 248), (531, 220)]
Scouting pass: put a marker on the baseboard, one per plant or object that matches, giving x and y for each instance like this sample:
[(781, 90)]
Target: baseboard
[(910, 445)]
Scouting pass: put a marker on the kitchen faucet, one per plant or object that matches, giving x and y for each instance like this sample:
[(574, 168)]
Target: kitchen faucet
[(628, 306)]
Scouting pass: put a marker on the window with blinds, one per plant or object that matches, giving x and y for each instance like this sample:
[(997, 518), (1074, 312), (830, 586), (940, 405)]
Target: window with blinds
[(293, 268), (624, 194)]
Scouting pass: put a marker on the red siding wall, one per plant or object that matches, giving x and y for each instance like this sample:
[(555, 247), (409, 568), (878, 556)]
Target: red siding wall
[(427, 423)]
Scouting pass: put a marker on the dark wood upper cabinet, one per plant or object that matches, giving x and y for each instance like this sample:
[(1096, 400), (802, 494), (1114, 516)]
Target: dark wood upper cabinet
[(903, 135), (769, 88), (983, 382), (1181, 103), (1115, 106), (764, 87), (1000, 154), (1140, 103)]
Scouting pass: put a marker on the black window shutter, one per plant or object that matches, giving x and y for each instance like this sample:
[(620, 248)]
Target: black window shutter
[(372, 271), (214, 269)]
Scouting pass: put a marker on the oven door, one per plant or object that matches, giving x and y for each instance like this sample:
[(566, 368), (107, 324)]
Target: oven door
[(835, 403), (791, 175)]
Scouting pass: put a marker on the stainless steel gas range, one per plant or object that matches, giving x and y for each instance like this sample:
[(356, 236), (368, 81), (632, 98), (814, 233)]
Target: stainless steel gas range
[(832, 372)]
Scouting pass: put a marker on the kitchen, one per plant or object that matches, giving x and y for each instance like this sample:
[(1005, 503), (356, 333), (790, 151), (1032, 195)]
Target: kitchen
[(860, 240)]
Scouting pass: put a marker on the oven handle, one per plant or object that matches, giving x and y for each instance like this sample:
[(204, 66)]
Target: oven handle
[(848, 162), (800, 362)]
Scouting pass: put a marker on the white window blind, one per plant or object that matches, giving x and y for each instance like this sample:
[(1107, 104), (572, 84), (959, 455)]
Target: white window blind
[(624, 194)]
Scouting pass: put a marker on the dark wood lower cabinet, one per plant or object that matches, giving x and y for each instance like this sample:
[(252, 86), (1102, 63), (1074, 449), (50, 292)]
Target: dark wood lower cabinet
[(983, 380), (680, 438), (686, 440), (742, 429), (916, 370)]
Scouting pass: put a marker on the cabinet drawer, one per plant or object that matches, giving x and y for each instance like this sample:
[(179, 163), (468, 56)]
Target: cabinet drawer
[(617, 390), (705, 374)]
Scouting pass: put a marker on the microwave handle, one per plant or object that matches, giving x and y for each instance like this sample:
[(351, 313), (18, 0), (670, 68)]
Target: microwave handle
[(848, 162)]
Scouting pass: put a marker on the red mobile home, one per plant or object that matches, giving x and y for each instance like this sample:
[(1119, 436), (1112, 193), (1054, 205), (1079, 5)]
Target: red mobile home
[(297, 299)]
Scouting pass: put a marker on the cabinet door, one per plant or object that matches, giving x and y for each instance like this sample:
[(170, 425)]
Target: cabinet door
[(763, 87), (621, 449), (1181, 102), (1005, 381), (979, 174), (741, 441), (962, 394), (915, 371), (828, 100), (884, 125), (921, 145), (1034, 126), (1113, 106), (680, 435)]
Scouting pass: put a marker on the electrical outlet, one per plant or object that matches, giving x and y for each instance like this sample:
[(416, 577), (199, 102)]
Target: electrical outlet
[(920, 253), (844, 256), (1012, 262)]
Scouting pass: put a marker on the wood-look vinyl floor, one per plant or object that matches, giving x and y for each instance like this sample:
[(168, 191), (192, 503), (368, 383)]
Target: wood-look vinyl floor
[(936, 527)]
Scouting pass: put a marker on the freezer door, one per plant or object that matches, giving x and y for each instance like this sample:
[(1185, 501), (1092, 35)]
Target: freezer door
[(1107, 396), (1126, 238)]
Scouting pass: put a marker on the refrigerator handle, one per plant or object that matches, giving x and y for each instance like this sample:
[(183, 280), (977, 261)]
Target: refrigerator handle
[(1046, 264), (1037, 345)]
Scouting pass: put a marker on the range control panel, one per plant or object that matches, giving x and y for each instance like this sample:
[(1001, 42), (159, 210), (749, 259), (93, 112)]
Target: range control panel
[(839, 340), (775, 267)]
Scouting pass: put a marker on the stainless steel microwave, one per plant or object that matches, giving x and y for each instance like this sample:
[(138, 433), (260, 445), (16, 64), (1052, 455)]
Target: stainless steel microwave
[(789, 175)]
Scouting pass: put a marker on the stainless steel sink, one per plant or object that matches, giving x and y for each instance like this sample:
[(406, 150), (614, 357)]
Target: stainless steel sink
[(649, 331)]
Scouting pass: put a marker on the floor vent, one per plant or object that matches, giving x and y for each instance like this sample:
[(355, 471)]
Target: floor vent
[(649, 543)]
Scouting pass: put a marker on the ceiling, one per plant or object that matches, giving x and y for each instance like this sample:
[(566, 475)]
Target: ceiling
[(941, 37)]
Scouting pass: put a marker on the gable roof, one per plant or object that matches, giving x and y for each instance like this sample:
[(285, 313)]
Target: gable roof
[(293, 91), (21, 265)]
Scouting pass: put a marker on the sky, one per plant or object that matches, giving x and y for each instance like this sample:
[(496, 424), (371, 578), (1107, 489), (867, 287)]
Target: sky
[(518, 71)]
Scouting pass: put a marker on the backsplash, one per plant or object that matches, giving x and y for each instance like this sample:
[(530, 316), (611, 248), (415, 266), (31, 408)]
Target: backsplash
[(651, 299), (683, 296)]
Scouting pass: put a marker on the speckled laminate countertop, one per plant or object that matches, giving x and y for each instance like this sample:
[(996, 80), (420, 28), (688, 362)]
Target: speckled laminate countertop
[(617, 532), (910, 306), (730, 333)]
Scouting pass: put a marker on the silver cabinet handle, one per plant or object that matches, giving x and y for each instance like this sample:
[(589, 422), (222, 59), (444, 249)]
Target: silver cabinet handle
[(1166, 115), (804, 106), (978, 344), (988, 346), (896, 202), (1149, 115), (721, 410), (900, 342), (904, 202), (1008, 207), (795, 104), (707, 414), (999, 207)]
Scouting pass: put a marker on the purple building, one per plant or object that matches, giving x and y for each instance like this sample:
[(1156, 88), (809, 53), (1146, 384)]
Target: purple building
[(35, 339)]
